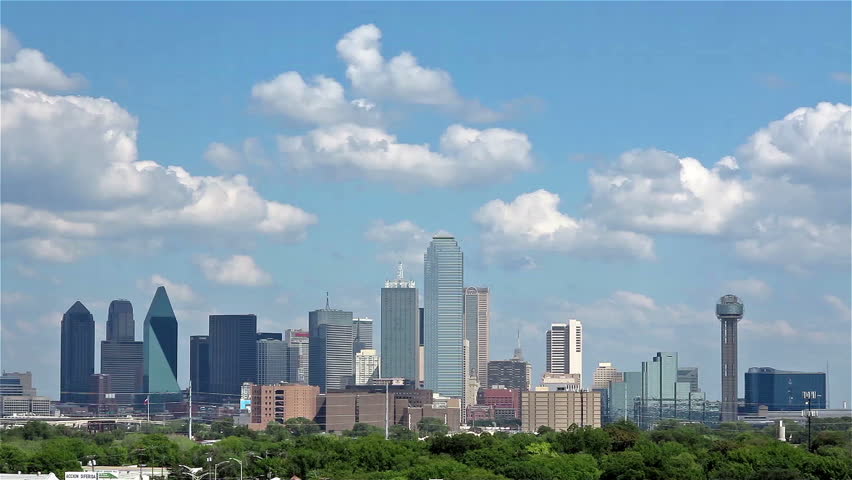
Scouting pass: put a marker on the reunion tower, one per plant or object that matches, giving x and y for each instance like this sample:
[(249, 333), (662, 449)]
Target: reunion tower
[(729, 311)]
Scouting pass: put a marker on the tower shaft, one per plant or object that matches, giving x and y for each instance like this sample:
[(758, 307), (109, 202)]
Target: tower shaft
[(729, 369)]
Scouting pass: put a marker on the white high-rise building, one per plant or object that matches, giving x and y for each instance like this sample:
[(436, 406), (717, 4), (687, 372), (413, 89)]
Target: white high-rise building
[(565, 348), (367, 363), (477, 317)]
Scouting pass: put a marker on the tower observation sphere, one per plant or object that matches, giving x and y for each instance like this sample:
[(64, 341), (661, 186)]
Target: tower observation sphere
[(729, 311)]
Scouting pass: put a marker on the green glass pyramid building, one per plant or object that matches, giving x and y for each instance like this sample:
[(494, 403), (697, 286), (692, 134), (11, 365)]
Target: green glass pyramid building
[(161, 344)]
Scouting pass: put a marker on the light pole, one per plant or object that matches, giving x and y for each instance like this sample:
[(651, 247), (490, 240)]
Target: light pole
[(216, 469), (241, 466)]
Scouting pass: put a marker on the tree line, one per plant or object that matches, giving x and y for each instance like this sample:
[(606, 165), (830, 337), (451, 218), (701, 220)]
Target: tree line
[(619, 451)]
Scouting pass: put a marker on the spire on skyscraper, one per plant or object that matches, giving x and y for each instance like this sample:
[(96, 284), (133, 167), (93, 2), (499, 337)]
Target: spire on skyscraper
[(519, 355), (399, 272)]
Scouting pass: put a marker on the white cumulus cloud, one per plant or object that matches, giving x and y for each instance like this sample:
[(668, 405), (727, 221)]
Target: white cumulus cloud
[(466, 156), (29, 68), (177, 291), (235, 270), (403, 241), (749, 288), (532, 222)]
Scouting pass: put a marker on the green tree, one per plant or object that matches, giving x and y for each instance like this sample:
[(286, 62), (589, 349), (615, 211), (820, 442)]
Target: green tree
[(301, 426), (12, 459), (623, 434), (401, 432), (363, 430), (432, 426)]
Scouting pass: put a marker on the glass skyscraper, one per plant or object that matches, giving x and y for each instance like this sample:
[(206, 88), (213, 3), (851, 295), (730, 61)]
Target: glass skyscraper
[(443, 299), (122, 357), (233, 353), (780, 390), (362, 334), (160, 351), (477, 316), (199, 363), (400, 328), (330, 349), (77, 354)]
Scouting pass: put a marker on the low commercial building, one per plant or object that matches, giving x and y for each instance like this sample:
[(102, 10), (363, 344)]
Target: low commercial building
[(506, 402), (279, 403), (24, 405), (783, 390), (559, 409)]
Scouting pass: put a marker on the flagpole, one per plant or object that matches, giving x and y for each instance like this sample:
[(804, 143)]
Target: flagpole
[(148, 403)]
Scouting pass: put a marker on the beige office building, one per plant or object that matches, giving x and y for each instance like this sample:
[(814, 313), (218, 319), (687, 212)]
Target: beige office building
[(604, 374), (278, 403), (560, 409)]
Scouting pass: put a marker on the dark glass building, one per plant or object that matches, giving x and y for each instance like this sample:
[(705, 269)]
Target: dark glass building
[(160, 351), (199, 363), (122, 357), (77, 354), (781, 390), (510, 374), (269, 336), (233, 354), (401, 324), (330, 349)]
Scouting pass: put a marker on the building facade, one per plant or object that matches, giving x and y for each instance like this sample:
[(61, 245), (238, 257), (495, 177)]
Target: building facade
[(514, 374), (269, 336), (272, 362), (506, 402), (120, 325), (233, 353), (17, 384), (690, 376), (199, 363), (560, 410), (331, 349), (362, 334), (729, 311), (477, 317), (102, 400), (122, 357), (443, 296), (604, 374), (783, 390), (299, 340), (622, 397), (400, 328), (367, 366), (279, 403), (565, 348), (160, 351), (77, 354)]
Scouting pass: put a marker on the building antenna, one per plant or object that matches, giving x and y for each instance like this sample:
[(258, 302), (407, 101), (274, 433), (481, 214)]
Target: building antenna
[(326, 301), (399, 273)]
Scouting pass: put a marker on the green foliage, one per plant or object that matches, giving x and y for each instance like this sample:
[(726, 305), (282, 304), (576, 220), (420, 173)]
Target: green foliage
[(432, 426), (617, 452)]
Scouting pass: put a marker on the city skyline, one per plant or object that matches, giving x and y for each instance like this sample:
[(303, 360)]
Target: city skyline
[(629, 195)]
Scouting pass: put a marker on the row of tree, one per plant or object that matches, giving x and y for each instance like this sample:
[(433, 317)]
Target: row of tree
[(619, 451)]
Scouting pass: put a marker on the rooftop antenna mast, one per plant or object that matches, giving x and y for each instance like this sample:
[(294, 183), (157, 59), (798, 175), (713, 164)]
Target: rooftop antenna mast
[(399, 272), (326, 301)]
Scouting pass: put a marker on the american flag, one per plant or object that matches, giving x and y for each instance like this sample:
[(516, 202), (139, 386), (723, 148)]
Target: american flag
[(147, 399)]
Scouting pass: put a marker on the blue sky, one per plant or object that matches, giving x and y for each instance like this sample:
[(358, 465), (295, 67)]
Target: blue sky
[(555, 140)]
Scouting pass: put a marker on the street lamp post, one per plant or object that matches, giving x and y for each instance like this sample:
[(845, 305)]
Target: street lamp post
[(216, 469), (241, 466)]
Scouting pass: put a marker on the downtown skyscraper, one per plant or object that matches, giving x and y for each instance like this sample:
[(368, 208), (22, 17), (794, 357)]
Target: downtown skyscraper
[(233, 353), (160, 351), (565, 349), (443, 298), (477, 316), (400, 328), (331, 358), (122, 357), (77, 354)]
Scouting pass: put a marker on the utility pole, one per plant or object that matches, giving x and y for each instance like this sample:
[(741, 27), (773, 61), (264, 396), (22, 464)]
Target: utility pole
[(387, 400), (190, 409), (809, 396)]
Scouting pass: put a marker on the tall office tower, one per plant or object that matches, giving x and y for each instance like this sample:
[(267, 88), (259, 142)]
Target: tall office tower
[(565, 348), (362, 334), (421, 351), (269, 335), (477, 317), (400, 328), (120, 326), (77, 354), (729, 311), (443, 299), (233, 353), (604, 374), (300, 340), (160, 351), (272, 362), (689, 375), (122, 357), (199, 363), (367, 366), (330, 348)]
